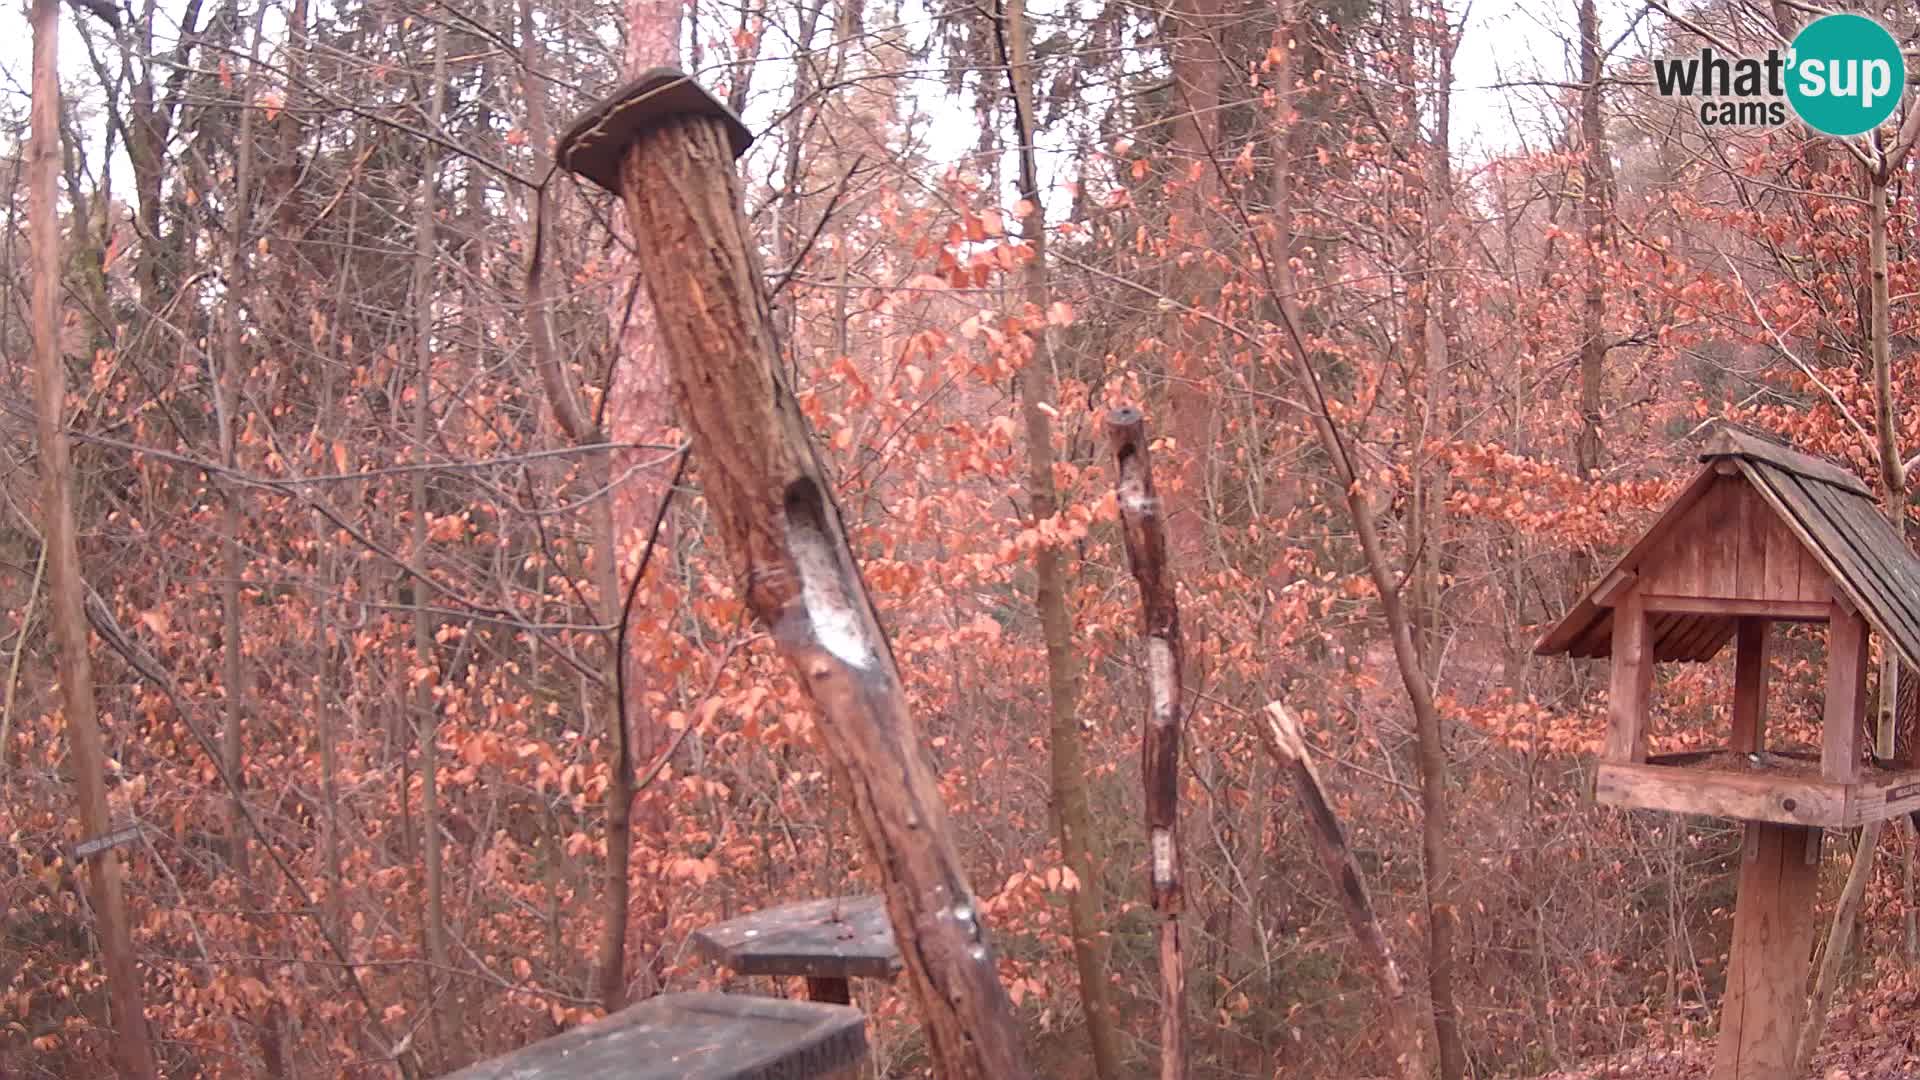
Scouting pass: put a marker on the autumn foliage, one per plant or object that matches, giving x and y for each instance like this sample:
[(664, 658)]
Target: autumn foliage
[(1440, 290)]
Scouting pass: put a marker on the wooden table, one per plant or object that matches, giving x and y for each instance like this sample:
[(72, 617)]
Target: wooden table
[(826, 941), (696, 1037)]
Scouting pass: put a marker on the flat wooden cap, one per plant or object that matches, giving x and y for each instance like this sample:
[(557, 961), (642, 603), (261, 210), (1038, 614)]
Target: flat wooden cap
[(596, 142)]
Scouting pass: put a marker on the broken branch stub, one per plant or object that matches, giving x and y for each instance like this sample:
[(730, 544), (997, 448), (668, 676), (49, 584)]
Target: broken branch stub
[(776, 516), (1406, 1034)]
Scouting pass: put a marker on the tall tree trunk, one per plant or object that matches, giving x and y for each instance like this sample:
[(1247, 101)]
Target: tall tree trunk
[(1198, 69), (638, 409), (426, 709), (1431, 754), (1035, 386), (1893, 482), (226, 382), (133, 1049), (610, 965), (1597, 186)]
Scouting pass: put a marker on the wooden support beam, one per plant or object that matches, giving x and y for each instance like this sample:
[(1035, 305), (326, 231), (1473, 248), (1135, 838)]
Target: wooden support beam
[(1761, 1013), (1632, 679), (1750, 686), (1614, 586), (1842, 728), (1782, 610)]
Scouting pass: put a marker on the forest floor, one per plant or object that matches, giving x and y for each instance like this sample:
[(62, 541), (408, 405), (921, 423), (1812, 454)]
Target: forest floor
[(1875, 1036)]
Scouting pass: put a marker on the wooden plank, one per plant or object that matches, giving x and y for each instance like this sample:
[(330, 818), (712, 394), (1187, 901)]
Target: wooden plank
[(1846, 707), (1718, 539), (1783, 610), (1596, 640), (1715, 793), (836, 938), (1880, 552), (1631, 681), (1669, 634), (1761, 1012), (1732, 442), (1750, 686), (1874, 572), (1886, 800), (1613, 586), (694, 1037), (1702, 635), (1751, 521)]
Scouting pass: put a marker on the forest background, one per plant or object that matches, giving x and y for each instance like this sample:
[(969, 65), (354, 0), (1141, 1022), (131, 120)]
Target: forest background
[(360, 508)]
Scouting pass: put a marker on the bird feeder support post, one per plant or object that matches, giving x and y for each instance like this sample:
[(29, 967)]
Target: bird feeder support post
[(667, 148)]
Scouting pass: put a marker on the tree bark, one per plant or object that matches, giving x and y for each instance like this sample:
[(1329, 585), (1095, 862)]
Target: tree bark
[(610, 964), (1893, 482), (775, 513), (1034, 384), (1281, 732), (1198, 66), (1290, 348), (133, 1048), (426, 709), (1598, 185), (1144, 531)]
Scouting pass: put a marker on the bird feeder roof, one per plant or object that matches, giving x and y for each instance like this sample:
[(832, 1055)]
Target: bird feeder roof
[(1829, 511)]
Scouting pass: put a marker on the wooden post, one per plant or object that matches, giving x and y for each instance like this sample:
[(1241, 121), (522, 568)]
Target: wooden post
[(1144, 530), (1632, 679), (1840, 729), (668, 147), (1761, 1014), (1750, 686)]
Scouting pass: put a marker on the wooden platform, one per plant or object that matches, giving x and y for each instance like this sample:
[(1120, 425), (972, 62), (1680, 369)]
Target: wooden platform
[(695, 1037), (1784, 788), (838, 938)]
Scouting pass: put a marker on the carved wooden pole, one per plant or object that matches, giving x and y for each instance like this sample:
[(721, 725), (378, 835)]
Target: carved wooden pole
[(1281, 732), (1144, 530), (667, 147)]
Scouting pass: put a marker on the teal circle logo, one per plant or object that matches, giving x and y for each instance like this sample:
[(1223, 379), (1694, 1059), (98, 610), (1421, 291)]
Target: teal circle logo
[(1846, 74)]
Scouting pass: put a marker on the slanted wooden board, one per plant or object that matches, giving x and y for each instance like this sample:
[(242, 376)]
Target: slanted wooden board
[(695, 1037), (1676, 784), (839, 938)]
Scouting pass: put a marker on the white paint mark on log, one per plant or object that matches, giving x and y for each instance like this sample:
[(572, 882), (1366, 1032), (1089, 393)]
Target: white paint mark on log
[(837, 625), (1162, 842), (1160, 678), (1133, 494)]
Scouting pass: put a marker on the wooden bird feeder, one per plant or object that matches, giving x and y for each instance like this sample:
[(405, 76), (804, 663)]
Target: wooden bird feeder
[(1763, 534), (696, 1037), (829, 942)]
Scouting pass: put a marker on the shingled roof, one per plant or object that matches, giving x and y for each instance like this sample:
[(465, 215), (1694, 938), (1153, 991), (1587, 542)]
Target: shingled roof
[(1829, 510)]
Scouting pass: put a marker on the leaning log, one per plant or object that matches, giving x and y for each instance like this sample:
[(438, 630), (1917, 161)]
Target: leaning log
[(1405, 1034), (667, 147)]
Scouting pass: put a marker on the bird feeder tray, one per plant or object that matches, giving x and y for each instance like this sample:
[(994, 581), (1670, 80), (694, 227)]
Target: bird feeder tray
[(827, 941), (695, 1037), (1782, 786)]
